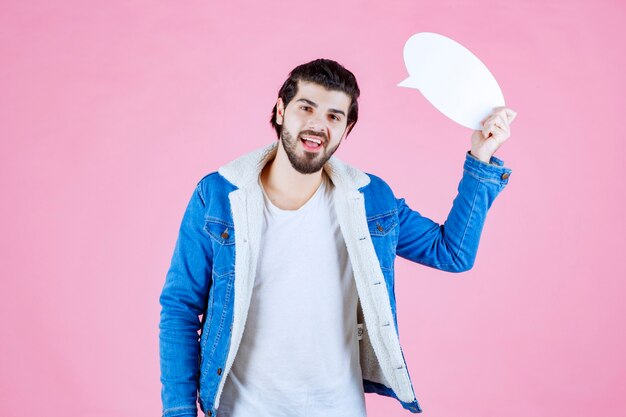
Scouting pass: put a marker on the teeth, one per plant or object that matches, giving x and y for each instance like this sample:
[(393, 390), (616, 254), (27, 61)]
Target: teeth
[(313, 140)]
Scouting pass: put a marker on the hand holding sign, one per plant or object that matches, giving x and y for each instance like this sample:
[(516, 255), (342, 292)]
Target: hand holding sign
[(460, 86), (495, 130)]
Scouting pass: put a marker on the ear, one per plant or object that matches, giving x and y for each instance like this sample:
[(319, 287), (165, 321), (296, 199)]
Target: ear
[(280, 111)]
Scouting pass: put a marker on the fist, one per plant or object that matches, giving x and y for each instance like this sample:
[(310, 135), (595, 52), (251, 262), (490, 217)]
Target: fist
[(496, 129)]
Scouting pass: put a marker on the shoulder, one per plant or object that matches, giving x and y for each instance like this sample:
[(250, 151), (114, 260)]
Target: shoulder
[(214, 184), (209, 178), (376, 184), (379, 197)]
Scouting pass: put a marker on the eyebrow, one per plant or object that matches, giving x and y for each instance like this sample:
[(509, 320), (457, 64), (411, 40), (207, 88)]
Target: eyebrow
[(315, 105)]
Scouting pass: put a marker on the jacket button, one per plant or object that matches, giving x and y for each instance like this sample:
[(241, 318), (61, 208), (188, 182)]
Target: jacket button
[(505, 175), (379, 227), (209, 413), (225, 235), (219, 371)]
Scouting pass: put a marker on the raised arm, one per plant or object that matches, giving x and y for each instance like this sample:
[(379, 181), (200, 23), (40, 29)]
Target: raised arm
[(453, 246)]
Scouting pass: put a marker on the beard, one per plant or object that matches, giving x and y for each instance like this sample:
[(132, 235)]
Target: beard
[(309, 162)]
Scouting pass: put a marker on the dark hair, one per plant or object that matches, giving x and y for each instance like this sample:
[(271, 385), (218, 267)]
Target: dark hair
[(327, 73)]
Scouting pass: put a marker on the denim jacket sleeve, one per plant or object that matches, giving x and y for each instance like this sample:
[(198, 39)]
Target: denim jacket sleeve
[(453, 246), (182, 300)]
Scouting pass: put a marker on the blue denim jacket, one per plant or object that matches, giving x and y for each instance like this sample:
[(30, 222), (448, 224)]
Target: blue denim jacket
[(207, 290)]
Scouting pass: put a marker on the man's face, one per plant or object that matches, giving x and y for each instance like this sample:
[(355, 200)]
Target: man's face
[(314, 113)]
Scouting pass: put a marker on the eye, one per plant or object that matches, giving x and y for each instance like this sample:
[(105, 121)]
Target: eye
[(305, 107), (335, 117)]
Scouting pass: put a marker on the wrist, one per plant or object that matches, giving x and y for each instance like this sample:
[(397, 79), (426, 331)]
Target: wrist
[(481, 157)]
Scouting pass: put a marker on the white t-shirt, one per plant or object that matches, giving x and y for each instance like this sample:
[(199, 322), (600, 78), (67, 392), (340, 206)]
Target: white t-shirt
[(299, 356)]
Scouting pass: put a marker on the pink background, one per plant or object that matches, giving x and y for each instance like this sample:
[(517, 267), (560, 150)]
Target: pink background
[(111, 112)]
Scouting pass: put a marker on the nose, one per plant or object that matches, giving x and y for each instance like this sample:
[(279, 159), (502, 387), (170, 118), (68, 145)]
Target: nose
[(316, 124)]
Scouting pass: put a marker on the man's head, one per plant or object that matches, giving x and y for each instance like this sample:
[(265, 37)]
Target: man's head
[(318, 101)]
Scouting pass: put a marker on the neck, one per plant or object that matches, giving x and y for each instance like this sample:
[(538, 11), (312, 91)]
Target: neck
[(284, 184)]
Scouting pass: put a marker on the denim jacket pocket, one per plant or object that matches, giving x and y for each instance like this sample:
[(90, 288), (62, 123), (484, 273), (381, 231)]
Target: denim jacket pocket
[(382, 229), (222, 234), (382, 224)]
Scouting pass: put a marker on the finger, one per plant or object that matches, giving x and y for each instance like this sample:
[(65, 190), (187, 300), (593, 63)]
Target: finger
[(494, 112), (493, 120), (501, 121), (495, 125), (510, 114), (500, 133), (501, 112), (496, 134), (501, 128), (487, 128)]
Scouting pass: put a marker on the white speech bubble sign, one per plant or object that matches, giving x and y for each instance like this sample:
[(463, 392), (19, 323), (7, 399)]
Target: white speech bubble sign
[(451, 78)]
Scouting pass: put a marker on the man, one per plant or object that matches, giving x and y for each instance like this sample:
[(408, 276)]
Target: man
[(287, 253)]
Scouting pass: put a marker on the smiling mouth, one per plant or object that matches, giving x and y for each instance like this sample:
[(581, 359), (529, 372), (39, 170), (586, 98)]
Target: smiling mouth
[(311, 142)]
